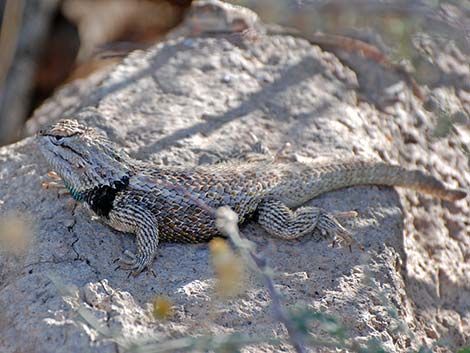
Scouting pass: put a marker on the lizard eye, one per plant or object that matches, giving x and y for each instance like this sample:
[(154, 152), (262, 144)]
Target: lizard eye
[(57, 139)]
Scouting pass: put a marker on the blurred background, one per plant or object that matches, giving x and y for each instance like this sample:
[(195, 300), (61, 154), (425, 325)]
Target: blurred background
[(45, 44)]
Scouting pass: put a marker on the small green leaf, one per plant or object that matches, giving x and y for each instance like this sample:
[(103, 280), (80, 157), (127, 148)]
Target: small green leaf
[(464, 350)]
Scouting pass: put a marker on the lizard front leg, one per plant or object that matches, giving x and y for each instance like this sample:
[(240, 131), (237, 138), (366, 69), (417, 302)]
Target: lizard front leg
[(140, 221), (280, 221)]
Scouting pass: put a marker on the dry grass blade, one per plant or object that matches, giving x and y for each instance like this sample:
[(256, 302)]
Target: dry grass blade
[(11, 25), (227, 223)]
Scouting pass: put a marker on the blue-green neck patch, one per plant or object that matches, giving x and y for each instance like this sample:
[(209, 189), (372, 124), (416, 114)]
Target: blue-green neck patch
[(77, 195)]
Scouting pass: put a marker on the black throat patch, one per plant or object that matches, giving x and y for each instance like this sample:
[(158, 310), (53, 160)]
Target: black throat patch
[(101, 197)]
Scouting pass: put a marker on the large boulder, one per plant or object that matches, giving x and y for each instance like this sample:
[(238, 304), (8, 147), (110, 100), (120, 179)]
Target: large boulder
[(193, 101)]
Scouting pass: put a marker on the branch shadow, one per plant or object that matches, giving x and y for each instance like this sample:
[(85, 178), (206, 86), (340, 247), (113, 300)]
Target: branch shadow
[(290, 76)]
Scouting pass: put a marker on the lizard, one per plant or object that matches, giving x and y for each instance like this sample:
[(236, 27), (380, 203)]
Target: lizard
[(160, 203)]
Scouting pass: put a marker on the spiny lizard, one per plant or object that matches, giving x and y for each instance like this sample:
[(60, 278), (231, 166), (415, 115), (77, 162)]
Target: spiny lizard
[(147, 200)]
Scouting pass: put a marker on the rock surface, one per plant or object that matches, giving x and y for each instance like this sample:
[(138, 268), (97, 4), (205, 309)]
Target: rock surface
[(190, 102)]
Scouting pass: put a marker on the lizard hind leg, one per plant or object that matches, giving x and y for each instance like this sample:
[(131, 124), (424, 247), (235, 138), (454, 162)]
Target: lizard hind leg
[(280, 221)]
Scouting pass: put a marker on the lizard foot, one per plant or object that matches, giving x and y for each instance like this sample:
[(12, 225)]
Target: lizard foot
[(134, 263), (55, 182), (328, 225)]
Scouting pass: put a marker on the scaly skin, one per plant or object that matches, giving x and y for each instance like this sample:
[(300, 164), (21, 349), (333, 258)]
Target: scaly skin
[(159, 203)]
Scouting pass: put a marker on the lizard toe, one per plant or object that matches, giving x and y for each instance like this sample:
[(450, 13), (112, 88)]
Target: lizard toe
[(134, 263), (329, 225), (141, 263)]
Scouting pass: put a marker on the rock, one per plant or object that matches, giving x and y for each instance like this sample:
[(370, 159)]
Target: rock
[(63, 294)]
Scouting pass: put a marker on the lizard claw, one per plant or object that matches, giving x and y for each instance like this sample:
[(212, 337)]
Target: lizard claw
[(55, 182), (328, 225), (134, 263)]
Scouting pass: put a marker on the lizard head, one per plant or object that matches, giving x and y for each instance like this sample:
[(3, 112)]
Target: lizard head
[(84, 158)]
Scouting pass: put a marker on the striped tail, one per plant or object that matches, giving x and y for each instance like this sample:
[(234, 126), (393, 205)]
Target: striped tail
[(425, 183), (359, 172), (319, 178)]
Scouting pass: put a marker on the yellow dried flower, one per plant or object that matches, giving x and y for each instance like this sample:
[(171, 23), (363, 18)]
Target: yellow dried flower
[(162, 307), (228, 268), (15, 233)]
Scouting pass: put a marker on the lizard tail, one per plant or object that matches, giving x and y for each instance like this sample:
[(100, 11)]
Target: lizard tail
[(378, 173), (425, 183), (317, 179)]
